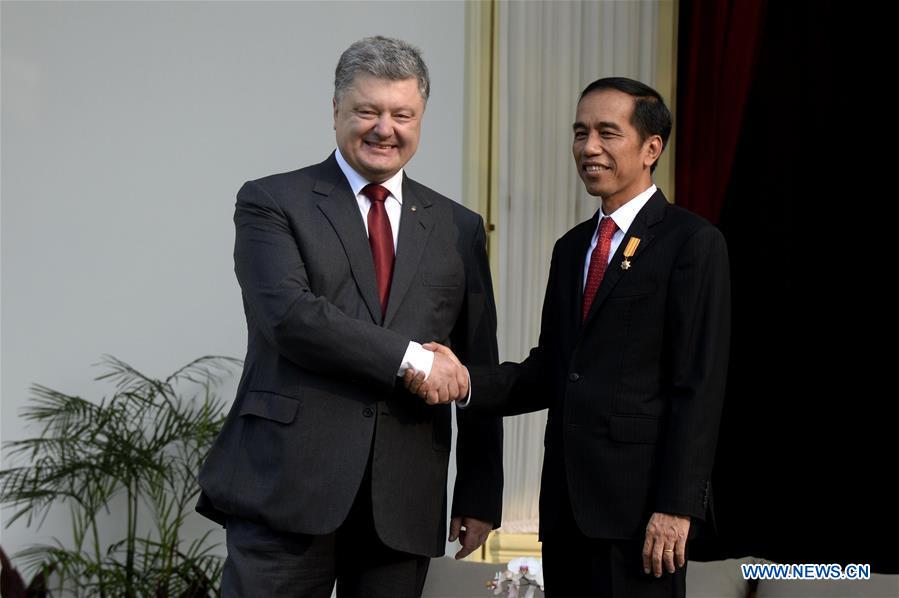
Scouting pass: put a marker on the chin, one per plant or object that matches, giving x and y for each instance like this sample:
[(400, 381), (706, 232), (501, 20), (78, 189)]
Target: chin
[(379, 168)]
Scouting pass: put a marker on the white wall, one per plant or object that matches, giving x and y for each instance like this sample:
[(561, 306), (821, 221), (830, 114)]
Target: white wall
[(127, 129)]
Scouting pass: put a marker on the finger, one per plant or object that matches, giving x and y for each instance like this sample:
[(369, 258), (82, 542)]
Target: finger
[(455, 526), (647, 554), (442, 350), (418, 382), (433, 398), (412, 381), (680, 551), (464, 553), (449, 353), (453, 389), (668, 559), (657, 547), (469, 544), (483, 536), (443, 394)]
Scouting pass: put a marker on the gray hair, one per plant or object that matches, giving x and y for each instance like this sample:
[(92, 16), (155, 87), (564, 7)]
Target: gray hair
[(382, 57)]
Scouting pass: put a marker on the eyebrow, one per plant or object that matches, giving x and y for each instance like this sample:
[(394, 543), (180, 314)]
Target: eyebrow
[(602, 125), (369, 104)]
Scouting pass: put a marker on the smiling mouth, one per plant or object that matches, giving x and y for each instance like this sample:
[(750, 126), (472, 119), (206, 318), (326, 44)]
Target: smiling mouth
[(379, 146), (595, 168)]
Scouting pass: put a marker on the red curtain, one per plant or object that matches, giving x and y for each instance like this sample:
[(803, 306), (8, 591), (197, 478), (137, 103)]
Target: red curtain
[(717, 42)]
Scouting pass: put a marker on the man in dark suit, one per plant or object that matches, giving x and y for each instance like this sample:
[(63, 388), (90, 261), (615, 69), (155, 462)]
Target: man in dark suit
[(631, 363), (327, 468)]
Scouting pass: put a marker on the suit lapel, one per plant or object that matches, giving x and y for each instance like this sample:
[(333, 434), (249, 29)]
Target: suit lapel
[(415, 227), (340, 208), (576, 275), (641, 228)]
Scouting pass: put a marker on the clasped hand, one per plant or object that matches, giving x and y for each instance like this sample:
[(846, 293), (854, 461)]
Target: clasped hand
[(447, 382)]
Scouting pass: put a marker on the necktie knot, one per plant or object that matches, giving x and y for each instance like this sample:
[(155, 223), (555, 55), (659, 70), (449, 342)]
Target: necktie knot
[(375, 192), (607, 228)]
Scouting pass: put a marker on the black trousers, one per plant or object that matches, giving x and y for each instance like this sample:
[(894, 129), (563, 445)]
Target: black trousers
[(266, 563), (576, 565)]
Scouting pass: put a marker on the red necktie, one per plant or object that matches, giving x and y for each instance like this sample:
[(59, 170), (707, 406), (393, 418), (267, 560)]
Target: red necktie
[(380, 238), (599, 259)]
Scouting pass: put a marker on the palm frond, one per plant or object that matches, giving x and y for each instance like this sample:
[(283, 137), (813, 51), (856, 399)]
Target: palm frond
[(126, 378), (143, 444), (206, 370)]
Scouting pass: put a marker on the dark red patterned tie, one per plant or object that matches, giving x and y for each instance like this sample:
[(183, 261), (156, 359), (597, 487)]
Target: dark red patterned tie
[(599, 259), (380, 238)]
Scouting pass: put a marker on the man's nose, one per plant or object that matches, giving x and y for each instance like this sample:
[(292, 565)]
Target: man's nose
[(384, 126), (593, 146)]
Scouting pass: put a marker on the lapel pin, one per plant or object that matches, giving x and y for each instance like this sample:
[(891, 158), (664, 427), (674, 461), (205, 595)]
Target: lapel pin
[(413, 208), (629, 252)]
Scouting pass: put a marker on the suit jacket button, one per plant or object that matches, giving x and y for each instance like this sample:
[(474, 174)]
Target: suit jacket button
[(368, 412), (574, 376)]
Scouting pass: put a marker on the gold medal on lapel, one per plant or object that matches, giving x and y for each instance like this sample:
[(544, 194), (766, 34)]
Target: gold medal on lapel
[(629, 252)]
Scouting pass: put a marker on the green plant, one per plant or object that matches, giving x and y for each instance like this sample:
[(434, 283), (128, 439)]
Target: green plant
[(141, 448)]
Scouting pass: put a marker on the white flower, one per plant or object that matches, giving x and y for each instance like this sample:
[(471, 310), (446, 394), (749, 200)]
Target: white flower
[(522, 571)]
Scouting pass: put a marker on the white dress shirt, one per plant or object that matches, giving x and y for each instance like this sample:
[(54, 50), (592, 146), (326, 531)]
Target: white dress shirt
[(623, 218), (417, 357)]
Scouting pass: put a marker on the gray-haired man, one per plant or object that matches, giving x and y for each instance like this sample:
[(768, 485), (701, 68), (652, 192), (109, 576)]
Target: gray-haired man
[(326, 467)]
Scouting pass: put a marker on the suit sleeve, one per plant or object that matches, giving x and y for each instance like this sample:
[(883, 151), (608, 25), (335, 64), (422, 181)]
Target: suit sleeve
[(305, 328), (479, 446), (697, 347), (515, 388)]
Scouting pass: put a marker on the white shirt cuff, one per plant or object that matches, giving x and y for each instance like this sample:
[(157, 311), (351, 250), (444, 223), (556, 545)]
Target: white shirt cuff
[(418, 359), (464, 404)]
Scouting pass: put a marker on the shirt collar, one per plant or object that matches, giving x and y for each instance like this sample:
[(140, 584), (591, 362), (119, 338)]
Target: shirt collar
[(394, 184), (624, 216)]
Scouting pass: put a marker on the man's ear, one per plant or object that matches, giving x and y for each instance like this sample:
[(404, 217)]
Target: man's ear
[(334, 104), (653, 147)]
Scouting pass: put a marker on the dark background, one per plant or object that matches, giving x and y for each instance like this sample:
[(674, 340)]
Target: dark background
[(806, 468)]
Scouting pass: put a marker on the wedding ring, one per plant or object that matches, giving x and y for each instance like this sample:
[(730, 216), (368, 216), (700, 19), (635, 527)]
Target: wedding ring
[(667, 550)]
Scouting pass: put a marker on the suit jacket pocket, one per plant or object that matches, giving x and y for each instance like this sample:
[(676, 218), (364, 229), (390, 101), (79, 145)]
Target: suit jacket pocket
[(634, 429), (623, 291), (270, 405)]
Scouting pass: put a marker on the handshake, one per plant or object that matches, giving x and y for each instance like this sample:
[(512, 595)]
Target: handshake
[(447, 382)]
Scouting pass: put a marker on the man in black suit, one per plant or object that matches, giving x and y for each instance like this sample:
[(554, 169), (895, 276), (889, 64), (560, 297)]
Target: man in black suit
[(327, 467), (631, 363)]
